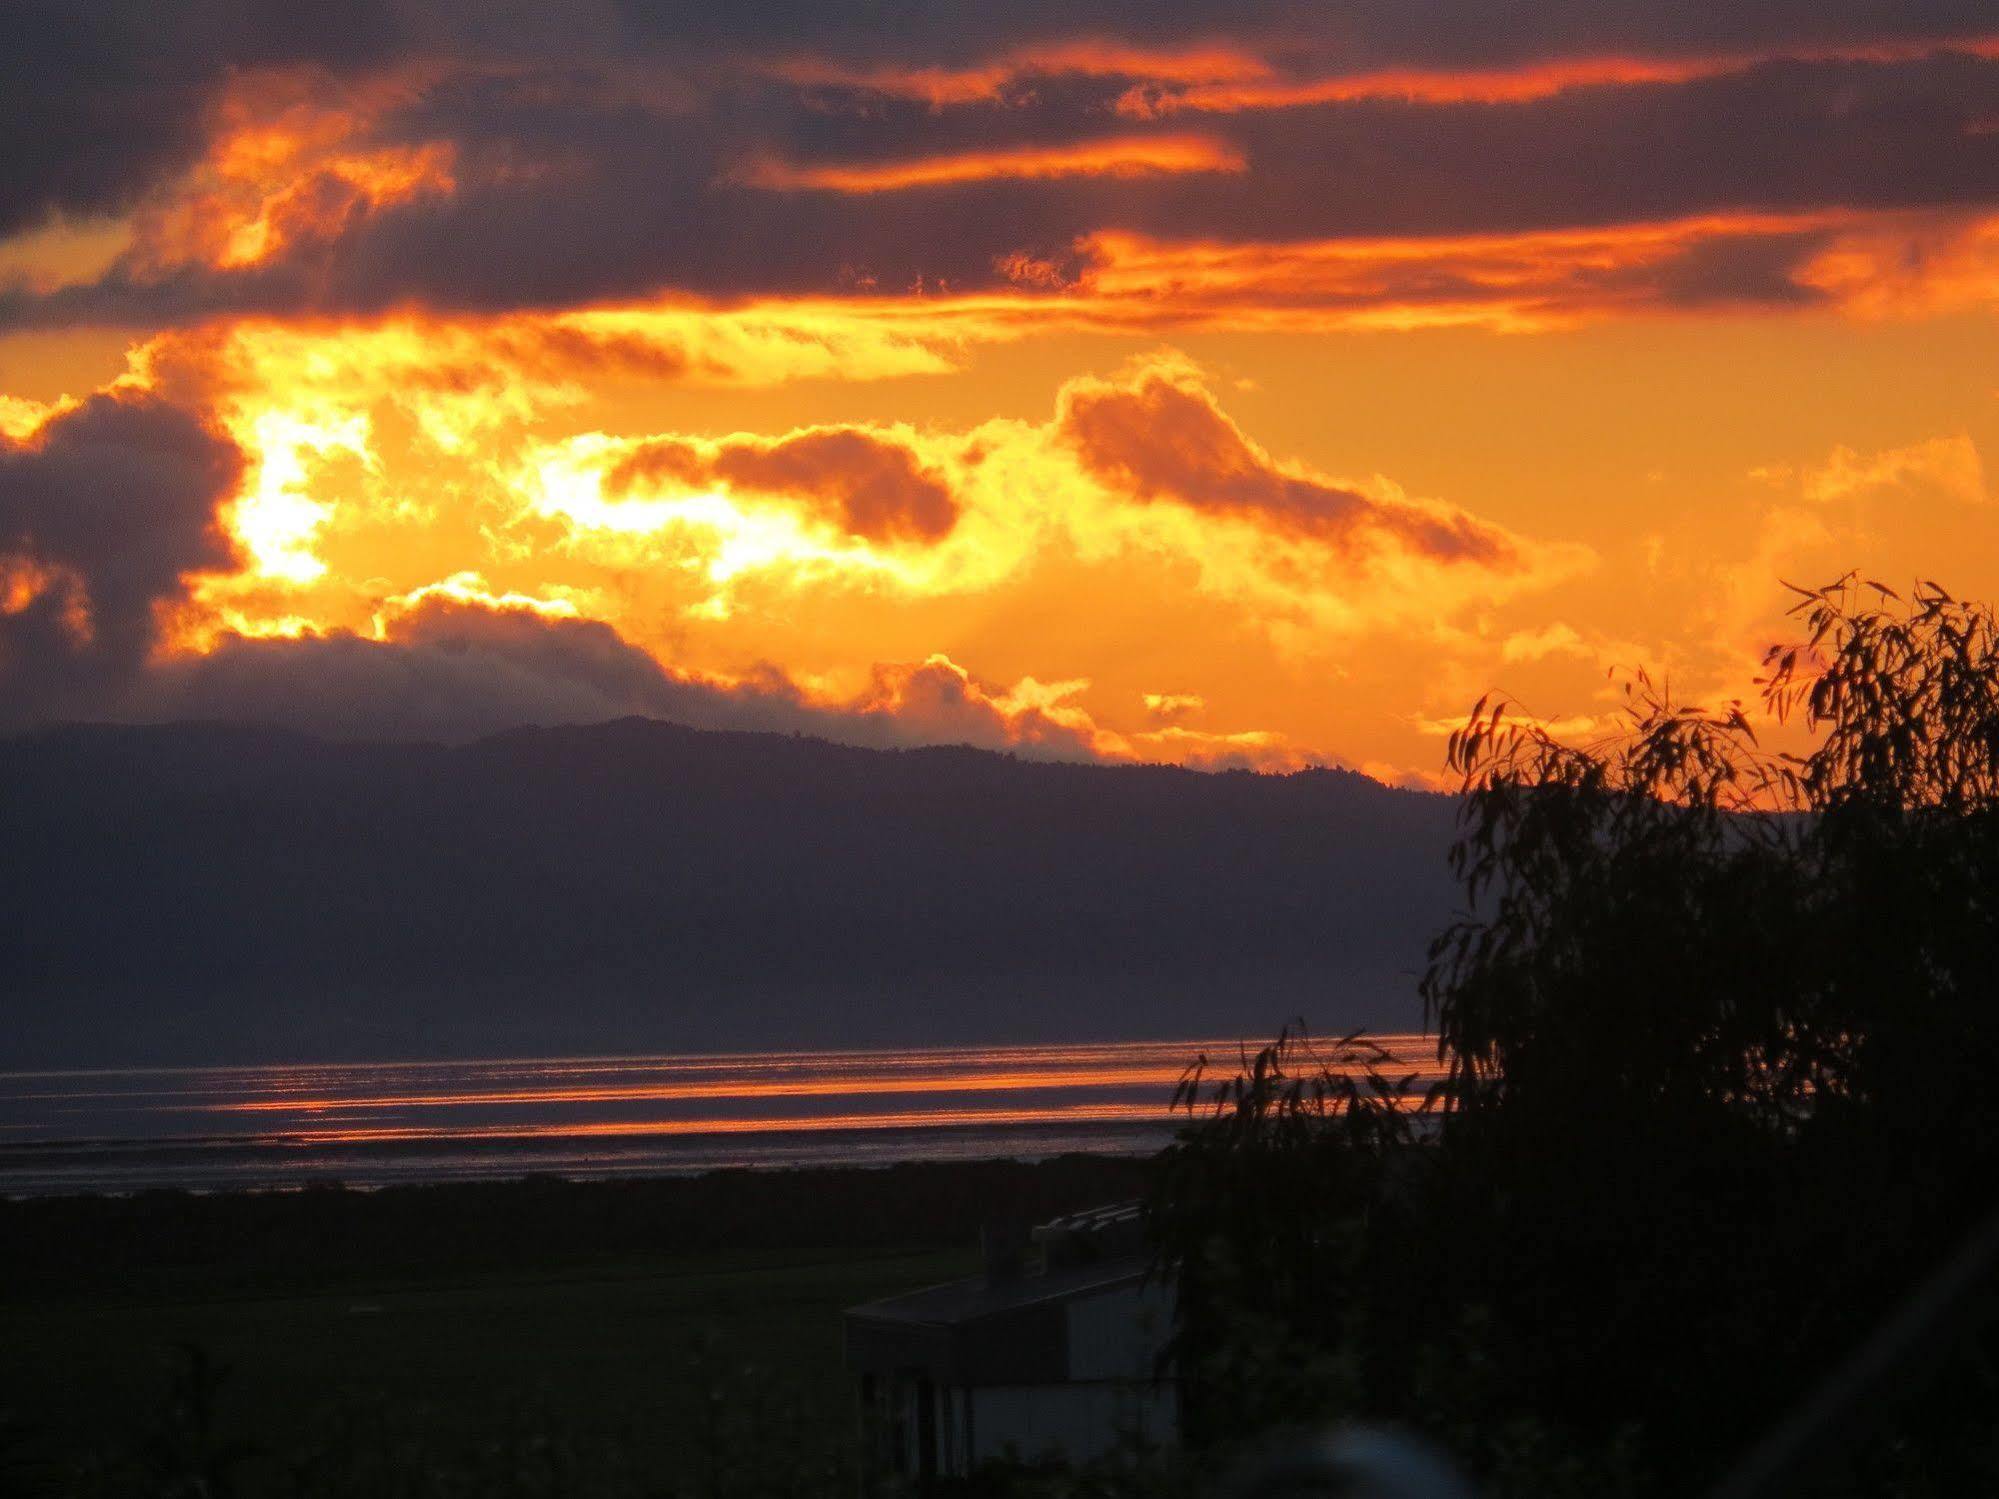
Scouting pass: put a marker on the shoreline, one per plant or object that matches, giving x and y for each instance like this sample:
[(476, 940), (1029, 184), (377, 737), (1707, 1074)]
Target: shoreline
[(279, 1162), (318, 1231)]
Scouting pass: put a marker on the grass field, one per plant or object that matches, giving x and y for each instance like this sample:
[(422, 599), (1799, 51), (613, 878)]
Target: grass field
[(374, 1344), (708, 1372)]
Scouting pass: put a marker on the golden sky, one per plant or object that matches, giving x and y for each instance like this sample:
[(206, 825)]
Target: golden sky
[(1245, 385)]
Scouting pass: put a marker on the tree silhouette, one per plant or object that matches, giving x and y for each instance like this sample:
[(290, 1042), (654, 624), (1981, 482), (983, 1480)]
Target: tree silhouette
[(1699, 920), (1717, 1031)]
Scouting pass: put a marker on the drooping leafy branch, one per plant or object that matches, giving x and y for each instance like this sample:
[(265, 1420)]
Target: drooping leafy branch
[(1904, 700), (1717, 1029), (1256, 1211), (1677, 913)]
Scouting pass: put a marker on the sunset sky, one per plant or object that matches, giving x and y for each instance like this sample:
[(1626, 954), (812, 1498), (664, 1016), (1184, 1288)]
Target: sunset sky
[(1227, 384)]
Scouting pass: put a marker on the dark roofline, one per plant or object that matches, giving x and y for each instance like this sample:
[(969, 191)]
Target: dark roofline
[(970, 1300)]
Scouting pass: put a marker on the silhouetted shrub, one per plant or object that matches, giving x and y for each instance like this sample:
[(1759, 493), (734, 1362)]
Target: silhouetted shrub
[(1718, 1029)]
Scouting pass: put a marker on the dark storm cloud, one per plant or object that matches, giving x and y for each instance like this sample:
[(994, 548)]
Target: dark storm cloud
[(448, 673), (99, 101), (101, 517), (1351, 33), (1735, 271), (601, 154), (451, 672), (1790, 137)]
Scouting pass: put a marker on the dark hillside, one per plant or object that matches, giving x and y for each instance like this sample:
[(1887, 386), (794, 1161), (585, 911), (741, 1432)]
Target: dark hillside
[(201, 892)]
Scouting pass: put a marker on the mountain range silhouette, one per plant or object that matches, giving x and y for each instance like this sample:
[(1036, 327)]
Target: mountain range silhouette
[(215, 893)]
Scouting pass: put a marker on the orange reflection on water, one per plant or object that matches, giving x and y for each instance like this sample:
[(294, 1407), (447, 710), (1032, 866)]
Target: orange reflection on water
[(1091, 1113), (1080, 1113), (376, 1123), (963, 1082), (1131, 1065)]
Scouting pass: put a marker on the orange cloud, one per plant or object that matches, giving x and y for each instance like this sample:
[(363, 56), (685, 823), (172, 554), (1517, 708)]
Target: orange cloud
[(305, 398), (1512, 282), (940, 702), (395, 493), (1870, 264), (1108, 156), (1145, 464), (996, 81), (1949, 470), (1909, 265), (1232, 80), (1167, 706), (21, 419), (1557, 639), (408, 479), (875, 489), (1873, 264), (284, 168), (467, 184), (1521, 84), (943, 703), (1161, 436)]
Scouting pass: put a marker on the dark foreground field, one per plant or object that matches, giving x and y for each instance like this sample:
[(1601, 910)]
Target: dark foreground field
[(645, 1337)]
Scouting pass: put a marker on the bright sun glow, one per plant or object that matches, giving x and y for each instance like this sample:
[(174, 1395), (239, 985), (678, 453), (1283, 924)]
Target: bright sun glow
[(1219, 395), (277, 516)]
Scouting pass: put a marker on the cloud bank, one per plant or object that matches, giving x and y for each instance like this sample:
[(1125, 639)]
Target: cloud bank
[(261, 162), (163, 563)]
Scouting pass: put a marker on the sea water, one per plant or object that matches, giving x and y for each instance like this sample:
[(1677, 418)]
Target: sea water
[(373, 1124)]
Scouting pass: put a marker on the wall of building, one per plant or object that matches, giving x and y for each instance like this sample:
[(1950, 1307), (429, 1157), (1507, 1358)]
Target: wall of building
[(1080, 1421), (1074, 1376), (1119, 1334)]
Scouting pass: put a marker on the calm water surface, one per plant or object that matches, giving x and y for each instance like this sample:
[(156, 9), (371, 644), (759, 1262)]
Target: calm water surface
[(213, 1128)]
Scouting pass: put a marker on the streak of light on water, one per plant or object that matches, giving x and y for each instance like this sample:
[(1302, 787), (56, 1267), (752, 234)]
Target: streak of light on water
[(373, 1124)]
